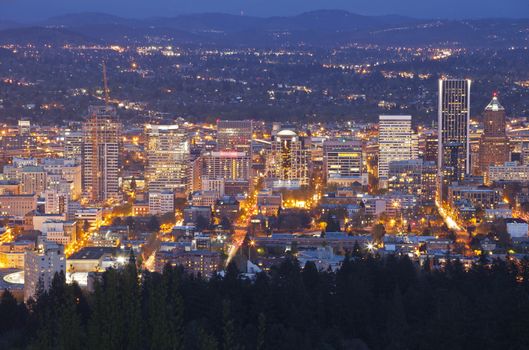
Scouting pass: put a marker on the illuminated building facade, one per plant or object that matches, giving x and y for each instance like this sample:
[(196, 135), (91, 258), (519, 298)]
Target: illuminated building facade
[(56, 202), (478, 196), (343, 162), (73, 145), (17, 205), (167, 158), (453, 130), (34, 180), (507, 172), (101, 154), (405, 176), (234, 135), (40, 266), (430, 148), (228, 165), (62, 171), (396, 141), (24, 127), (494, 148), (202, 263), (287, 163), (161, 202), (415, 176)]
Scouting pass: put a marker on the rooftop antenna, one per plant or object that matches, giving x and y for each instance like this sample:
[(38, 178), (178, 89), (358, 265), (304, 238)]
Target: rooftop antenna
[(105, 84)]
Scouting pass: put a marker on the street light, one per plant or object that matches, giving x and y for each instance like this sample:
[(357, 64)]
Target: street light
[(250, 245)]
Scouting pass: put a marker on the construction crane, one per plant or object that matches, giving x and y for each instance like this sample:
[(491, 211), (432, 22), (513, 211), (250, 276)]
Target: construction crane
[(105, 84)]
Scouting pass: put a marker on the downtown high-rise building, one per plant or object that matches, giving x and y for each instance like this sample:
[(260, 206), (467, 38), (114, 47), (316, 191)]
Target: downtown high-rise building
[(168, 158), (343, 162), (396, 141), (287, 162), (494, 146), (234, 135), (228, 165), (101, 154), (453, 132), (233, 159)]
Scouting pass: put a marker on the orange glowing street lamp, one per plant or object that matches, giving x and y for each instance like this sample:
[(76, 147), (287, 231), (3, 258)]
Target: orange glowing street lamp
[(250, 245)]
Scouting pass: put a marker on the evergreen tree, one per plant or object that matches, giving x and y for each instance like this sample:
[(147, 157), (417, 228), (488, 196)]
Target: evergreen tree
[(383, 303), (229, 334), (131, 300), (261, 334), (175, 312), (397, 325), (17, 313), (157, 329)]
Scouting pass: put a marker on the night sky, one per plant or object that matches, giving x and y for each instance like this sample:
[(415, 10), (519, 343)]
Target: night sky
[(27, 10)]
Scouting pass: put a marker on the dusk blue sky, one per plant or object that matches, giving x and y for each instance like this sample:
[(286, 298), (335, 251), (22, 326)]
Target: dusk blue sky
[(24, 10)]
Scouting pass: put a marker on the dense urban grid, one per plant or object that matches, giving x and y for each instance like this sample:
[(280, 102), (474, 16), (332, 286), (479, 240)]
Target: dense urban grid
[(156, 196)]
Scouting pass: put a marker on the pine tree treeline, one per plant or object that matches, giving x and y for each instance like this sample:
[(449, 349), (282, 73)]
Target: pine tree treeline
[(370, 303)]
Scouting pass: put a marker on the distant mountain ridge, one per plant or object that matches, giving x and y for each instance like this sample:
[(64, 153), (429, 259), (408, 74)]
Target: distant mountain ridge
[(318, 28)]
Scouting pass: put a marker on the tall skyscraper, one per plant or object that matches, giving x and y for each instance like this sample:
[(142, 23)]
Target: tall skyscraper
[(168, 158), (396, 141), (287, 162), (453, 130), (494, 144), (234, 135), (101, 154)]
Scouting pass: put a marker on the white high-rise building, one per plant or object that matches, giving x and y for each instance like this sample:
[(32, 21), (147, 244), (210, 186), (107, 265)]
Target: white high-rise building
[(41, 265), (396, 141), (161, 202), (167, 158)]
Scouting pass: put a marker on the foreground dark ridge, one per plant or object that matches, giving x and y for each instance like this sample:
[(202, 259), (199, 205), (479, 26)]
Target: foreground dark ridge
[(369, 303)]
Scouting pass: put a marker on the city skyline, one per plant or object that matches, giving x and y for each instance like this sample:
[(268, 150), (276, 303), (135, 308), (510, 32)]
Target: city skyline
[(224, 182)]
